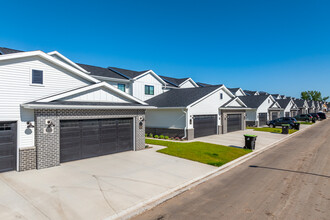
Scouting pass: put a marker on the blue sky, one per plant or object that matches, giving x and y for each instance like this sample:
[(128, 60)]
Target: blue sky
[(276, 46)]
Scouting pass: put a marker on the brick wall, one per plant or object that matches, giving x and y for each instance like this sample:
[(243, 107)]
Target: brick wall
[(27, 158), (48, 143)]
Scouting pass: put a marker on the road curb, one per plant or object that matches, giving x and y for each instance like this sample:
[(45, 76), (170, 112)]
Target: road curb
[(163, 197)]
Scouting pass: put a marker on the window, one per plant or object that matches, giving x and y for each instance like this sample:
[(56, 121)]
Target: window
[(221, 96), (37, 77), (148, 90), (121, 87)]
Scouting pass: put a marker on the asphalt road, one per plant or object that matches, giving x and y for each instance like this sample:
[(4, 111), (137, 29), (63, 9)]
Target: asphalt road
[(289, 181)]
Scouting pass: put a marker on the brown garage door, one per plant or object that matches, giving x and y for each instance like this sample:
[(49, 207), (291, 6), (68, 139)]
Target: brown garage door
[(90, 138), (205, 125), (7, 146), (234, 122), (262, 119)]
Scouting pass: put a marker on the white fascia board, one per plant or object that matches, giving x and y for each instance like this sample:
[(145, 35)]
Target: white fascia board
[(228, 91), (153, 73), (189, 79), (238, 100), (67, 60), (242, 91), (171, 107), (94, 86), (51, 59), (111, 79), (45, 106), (231, 108), (214, 91)]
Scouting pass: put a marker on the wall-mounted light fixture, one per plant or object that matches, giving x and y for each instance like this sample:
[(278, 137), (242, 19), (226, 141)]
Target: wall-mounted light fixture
[(50, 126), (29, 125)]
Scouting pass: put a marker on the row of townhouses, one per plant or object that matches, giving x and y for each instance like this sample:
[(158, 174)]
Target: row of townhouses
[(53, 110)]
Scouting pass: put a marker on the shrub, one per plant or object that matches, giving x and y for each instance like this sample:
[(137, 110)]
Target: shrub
[(161, 136), (177, 138), (151, 135), (156, 136), (166, 137), (146, 135)]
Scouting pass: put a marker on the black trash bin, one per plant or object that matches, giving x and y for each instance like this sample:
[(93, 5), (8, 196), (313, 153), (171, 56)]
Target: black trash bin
[(296, 126), (250, 141), (285, 128)]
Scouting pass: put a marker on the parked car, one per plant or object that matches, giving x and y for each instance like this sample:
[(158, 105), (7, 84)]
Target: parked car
[(304, 117), (315, 116), (322, 115), (284, 120)]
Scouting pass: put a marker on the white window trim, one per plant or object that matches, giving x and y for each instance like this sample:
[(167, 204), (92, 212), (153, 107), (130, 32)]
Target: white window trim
[(150, 86), (125, 86), (43, 78)]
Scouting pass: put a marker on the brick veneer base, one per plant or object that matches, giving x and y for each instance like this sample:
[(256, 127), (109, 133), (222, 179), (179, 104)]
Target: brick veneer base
[(27, 158)]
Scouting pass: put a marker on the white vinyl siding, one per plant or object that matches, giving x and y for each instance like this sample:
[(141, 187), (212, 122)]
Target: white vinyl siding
[(115, 84), (188, 84), (209, 105), (139, 87), (169, 118), (15, 89), (97, 95)]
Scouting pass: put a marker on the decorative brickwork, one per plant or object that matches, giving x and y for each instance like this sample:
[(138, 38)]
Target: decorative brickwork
[(27, 158), (48, 143)]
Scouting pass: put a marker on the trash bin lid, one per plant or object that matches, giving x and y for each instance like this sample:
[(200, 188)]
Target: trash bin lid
[(250, 135), (285, 125)]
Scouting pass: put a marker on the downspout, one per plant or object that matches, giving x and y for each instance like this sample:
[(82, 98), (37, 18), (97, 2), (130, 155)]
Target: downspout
[(185, 128)]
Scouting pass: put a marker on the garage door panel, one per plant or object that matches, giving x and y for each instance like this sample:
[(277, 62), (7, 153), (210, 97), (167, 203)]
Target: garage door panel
[(96, 138), (262, 119), (205, 125), (7, 146), (7, 163), (234, 122)]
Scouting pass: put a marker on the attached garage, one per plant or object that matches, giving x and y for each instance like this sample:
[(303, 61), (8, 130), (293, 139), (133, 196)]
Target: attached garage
[(7, 146), (205, 125), (274, 115), (81, 139), (234, 122), (262, 119)]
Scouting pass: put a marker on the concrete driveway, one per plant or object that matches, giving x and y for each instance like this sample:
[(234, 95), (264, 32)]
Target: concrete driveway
[(94, 188), (236, 139)]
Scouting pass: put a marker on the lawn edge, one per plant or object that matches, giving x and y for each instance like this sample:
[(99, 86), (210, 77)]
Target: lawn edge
[(163, 197)]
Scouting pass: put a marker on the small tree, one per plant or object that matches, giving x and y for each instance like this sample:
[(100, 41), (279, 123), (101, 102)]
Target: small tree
[(313, 95)]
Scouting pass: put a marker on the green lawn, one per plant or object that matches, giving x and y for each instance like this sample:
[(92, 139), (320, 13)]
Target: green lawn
[(274, 130), (211, 154)]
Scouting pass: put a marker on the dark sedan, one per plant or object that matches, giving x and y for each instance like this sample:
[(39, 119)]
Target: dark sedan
[(284, 120), (304, 117)]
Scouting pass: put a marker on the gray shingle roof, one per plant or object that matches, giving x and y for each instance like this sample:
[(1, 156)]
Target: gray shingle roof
[(299, 102), (126, 73), (100, 71), (181, 97), (233, 90), (253, 101), (203, 84), (249, 92), (173, 81), (283, 102), (5, 50)]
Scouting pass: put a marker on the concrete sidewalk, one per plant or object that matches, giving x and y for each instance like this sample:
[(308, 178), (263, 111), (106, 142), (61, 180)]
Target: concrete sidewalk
[(236, 139), (94, 188)]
